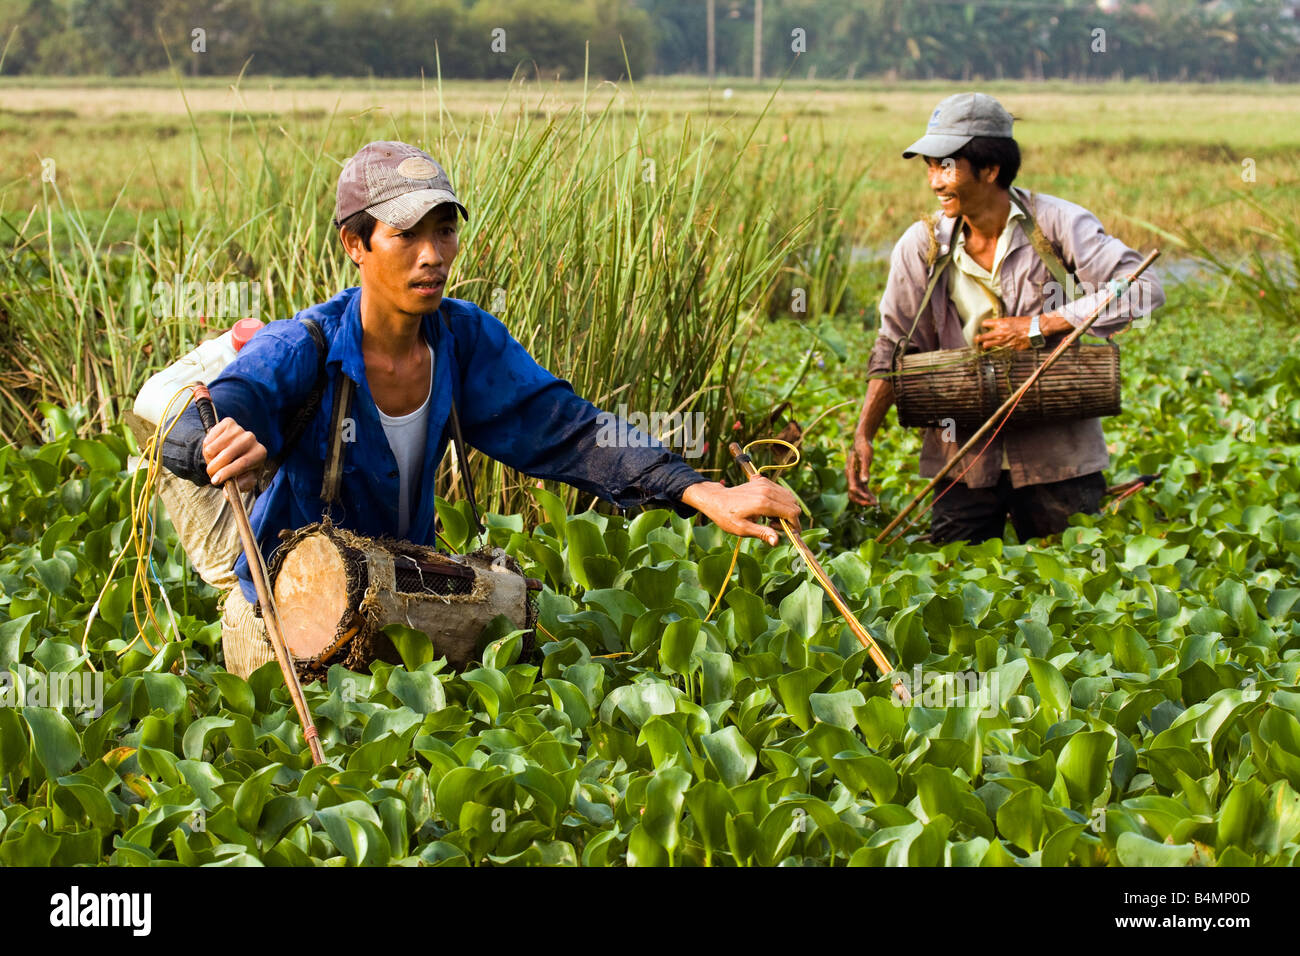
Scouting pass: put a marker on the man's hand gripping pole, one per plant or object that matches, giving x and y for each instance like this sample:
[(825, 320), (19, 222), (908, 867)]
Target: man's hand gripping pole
[(270, 614)]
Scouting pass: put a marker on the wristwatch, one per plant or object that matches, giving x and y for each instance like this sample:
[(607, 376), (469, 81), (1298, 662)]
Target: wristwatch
[(1036, 339)]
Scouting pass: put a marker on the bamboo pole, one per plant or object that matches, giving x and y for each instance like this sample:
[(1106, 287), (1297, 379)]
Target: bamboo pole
[(256, 568), (860, 632), (1117, 288)]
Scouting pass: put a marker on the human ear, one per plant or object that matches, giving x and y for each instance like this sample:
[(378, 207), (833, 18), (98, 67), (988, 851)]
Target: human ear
[(352, 244)]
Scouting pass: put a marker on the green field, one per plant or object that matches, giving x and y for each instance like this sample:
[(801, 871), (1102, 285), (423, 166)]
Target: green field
[(1138, 692)]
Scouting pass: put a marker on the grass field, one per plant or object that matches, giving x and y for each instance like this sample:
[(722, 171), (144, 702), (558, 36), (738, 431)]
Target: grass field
[(1169, 155)]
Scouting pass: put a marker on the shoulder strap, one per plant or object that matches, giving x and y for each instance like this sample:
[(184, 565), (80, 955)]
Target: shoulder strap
[(461, 459), (936, 270), (305, 412), (1046, 251), (329, 491)]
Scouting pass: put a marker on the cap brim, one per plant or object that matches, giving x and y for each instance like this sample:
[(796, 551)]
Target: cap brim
[(403, 212), (937, 145)]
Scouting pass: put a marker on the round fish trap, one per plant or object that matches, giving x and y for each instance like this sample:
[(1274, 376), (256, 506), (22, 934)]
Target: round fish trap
[(336, 591), (966, 386)]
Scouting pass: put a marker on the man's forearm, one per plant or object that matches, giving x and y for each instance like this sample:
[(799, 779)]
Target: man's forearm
[(880, 396)]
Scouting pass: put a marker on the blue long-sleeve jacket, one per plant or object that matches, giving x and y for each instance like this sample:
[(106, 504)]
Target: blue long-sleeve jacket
[(510, 408)]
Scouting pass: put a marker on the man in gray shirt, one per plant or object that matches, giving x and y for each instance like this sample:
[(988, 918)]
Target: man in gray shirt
[(980, 273)]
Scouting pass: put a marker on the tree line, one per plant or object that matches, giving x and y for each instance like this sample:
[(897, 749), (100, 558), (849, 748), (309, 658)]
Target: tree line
[(833, 39)]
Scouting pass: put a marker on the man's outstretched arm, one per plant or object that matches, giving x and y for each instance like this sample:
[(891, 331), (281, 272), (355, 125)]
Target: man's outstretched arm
[(520, 414)]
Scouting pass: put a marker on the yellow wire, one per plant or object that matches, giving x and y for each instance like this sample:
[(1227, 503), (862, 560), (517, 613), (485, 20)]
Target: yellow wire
[(140, 541), (735, 554)]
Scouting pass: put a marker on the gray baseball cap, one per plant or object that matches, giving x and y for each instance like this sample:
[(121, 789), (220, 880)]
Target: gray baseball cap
[(394, 182), (958, 120)]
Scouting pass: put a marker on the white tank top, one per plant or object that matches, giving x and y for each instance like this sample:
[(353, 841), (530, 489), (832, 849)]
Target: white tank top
[(406, 436)]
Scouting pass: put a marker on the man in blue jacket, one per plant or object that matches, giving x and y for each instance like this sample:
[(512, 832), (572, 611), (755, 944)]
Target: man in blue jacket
[(409, 353)]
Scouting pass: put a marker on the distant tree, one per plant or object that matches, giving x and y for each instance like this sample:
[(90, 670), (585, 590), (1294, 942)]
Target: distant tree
[(24, 26)]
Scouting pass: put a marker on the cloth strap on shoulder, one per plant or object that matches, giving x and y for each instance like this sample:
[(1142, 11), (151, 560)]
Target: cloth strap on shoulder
[(461, 459), (329, 491), (305, 412), (1046, 252)]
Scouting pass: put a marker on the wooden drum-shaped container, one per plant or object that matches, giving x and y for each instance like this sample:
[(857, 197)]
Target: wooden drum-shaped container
[(336, 591)]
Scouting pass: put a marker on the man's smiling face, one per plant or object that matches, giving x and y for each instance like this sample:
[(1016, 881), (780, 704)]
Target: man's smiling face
[(960, 190), (405, 270)]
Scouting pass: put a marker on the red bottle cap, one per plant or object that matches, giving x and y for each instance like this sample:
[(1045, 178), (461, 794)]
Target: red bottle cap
[(243, 331)]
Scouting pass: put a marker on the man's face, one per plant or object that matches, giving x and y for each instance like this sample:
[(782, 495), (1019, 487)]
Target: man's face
[(406, 270), (960, 190)]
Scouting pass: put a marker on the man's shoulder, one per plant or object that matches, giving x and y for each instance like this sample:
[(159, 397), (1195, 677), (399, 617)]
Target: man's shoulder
[(330, 312), (286, 350), (922, 242), (1046, 208), (462, 311)]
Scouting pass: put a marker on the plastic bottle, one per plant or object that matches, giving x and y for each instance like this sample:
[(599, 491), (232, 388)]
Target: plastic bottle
[(203, 364)]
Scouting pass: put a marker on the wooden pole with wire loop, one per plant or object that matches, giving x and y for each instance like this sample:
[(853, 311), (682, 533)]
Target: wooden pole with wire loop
[(257, 569), (1117, 288), (860, 632)]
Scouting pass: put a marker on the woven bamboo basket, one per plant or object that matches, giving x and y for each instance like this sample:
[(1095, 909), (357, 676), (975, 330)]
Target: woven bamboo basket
[(966, 386)]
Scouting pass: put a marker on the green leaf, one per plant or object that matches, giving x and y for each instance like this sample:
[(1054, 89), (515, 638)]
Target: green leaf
[(837, 709), (493, 689), (1083, 764), (639, 702), (97, 455), (570, 700), (665, 795), (730, 755), (710, 804), (1020, 818), (166, 692), (801, 610), (251, 796), (794, 689), (681, 641), (235, 692), (1136, 850), (13, 636), (421, 690), (13, 741), (584, 540), (34, 847), (1052, 688), (554, 509), (455, 529), (413, 646), (197, 734), (1139, 549), (54, 740)]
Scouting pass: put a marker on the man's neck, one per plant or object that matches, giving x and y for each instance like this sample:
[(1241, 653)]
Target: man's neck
[(390, 337), (986, 222)]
